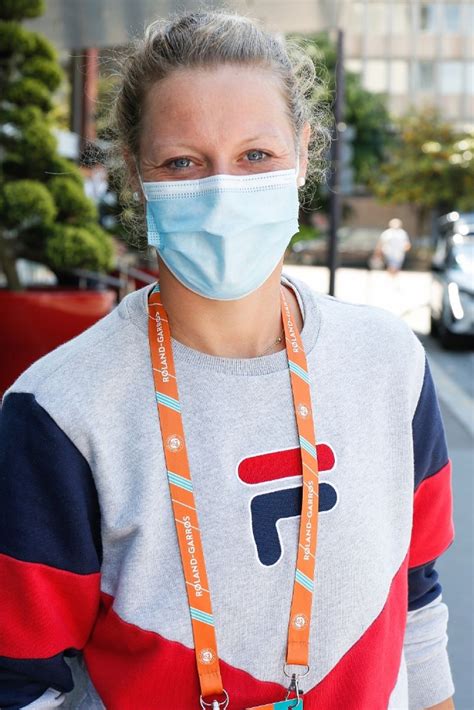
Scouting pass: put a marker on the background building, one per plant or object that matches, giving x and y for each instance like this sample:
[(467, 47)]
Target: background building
[(416, 52)]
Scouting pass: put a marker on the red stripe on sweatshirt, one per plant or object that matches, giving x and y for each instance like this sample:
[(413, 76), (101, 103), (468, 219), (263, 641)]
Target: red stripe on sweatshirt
[(281, 464), (433, 527), (131, 667), (134, 668), (44, 610), (366, 675)]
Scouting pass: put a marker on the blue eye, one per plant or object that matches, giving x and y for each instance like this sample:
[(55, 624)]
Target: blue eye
[(255, 155), (180, 163)]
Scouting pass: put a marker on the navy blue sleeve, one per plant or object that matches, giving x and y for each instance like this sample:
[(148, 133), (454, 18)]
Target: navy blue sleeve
[(423, 586), (433, 529), (49, 542)]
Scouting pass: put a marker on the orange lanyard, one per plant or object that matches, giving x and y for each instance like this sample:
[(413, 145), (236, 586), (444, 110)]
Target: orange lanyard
[(184, 504)]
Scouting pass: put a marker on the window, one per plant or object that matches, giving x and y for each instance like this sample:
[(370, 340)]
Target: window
[(400, 18), (451, 77), (427, 17), (399, 77), (468, 19), (377, 18), (451, 17), (376, 75), (425, 76), (470, 78), (353, 65), (352, 15)]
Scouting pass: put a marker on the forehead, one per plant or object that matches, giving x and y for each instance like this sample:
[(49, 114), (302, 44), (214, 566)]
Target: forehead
[(220, 103)]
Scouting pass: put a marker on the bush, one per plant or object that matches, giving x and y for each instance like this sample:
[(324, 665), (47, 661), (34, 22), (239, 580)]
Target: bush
[(65, 168), (79, 247), (72, 204), (26, 202), (21, 9), (43, 70), (44, 212)]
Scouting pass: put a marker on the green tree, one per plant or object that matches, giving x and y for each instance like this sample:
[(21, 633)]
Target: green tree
[(430, 166), (365, 111), (44, 213)]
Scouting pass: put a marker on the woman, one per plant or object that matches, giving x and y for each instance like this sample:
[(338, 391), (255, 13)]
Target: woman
[(209, 494)]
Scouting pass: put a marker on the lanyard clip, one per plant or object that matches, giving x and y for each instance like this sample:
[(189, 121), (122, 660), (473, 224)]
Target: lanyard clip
[(293, 687), (215, 704)]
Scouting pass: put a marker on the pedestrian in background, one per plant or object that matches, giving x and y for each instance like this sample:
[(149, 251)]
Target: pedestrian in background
[(393, 245), (232, 485)]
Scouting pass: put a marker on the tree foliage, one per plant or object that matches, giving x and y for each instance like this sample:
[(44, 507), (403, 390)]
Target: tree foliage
[(364, 111), (44, 213), (22, 9), (430, 165)]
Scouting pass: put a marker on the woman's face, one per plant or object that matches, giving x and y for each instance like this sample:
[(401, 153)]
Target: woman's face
[(225, 120)]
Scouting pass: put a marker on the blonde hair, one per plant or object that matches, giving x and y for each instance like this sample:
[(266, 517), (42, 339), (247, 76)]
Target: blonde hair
[(209, 38)]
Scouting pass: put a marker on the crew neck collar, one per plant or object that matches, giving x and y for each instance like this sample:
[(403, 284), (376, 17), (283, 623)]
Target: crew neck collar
[(260, 365)]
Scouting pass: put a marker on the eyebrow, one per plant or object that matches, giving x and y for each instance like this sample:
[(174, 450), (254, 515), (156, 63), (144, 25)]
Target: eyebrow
[(261, 136), (168, 145)]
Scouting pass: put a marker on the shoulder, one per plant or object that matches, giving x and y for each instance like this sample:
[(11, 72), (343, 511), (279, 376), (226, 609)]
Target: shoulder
[(380, 328), (355, 320), (370, 343)]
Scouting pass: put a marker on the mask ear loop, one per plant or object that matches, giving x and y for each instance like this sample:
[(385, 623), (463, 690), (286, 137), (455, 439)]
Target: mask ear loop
[(135, 194), (149, 218), (300, 181)]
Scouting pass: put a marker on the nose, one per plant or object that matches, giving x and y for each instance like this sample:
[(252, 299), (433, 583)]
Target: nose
[(219, 165)]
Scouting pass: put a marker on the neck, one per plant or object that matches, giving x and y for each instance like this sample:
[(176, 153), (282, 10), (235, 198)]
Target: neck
[(242, 328)]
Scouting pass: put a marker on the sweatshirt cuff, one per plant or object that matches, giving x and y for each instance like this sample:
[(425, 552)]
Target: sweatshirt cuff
[(430, 682)]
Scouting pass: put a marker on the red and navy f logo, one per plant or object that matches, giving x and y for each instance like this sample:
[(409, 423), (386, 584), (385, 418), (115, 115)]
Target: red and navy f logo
[(268, 508)]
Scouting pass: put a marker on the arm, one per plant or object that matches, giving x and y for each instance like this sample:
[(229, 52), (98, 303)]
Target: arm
[(50, 554), (408, 244), (425, 647)]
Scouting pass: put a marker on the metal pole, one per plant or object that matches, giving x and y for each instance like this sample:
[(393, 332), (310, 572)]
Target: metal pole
[(91, 89), (85, 80), (335, 183)]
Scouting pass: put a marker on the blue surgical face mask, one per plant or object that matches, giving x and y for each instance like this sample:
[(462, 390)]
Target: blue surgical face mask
[(223, 235)]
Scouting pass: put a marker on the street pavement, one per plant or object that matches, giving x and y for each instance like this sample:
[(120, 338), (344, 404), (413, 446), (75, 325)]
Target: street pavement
[(453, 372)]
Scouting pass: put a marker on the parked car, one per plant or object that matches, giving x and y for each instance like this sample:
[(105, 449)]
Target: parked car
[(454, 223), (452, 292), (355, 246)]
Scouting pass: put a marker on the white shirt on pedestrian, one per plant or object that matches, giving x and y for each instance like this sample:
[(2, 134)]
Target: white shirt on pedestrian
[(393, 242)]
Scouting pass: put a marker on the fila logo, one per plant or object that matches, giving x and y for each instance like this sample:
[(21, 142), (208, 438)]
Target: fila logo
[(268, 508)]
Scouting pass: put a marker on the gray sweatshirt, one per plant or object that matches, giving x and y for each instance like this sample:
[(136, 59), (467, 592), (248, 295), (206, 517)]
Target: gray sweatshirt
[(94, 611)]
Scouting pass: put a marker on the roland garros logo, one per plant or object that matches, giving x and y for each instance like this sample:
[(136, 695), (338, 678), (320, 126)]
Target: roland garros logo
[(206, 656), (164, 372)]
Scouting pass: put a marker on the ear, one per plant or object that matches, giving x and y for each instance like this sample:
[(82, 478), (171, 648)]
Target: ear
[(132, 168), (303, 152)]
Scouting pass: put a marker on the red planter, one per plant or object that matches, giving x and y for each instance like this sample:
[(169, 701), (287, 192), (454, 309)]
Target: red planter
[(34, 322)]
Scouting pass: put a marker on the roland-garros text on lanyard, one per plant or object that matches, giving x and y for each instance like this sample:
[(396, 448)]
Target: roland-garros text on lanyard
[(186, 516)]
